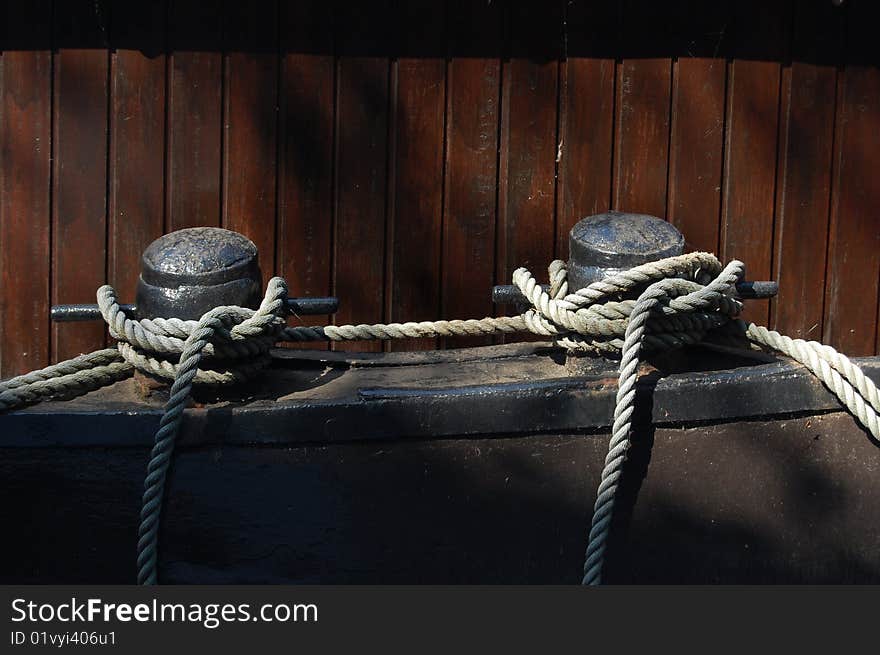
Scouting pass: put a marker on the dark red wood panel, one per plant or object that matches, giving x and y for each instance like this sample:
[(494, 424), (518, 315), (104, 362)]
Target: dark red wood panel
[(644, 82), (250, 126), (194, 114), (137, 140), (25, 151), (406, 156), (361, 164), (527, 185), (79, 188), (804, 171), (751, 136), (854, 235), (586, 121), (472, 122), (697, 128), (418, 104), (305, 152)]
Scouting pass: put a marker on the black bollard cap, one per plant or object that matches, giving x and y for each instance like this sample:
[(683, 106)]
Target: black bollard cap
[(188, 272), (606, 243)]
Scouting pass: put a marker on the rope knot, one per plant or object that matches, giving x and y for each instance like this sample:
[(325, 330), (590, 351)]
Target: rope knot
[(682, 299), (233, 342)]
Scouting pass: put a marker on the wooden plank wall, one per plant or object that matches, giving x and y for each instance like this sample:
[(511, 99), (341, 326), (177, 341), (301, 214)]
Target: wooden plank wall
[(405, 156)]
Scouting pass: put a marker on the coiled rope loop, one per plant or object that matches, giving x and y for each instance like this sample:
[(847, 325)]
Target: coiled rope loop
[(237, 352), (656, 306)]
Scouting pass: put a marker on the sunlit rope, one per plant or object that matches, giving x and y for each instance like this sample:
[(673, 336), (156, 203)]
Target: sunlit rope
[(660, 305)]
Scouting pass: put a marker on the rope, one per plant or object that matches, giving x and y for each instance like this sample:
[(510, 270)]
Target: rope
[(660, 305), (665, 291), (227, 323), (68, 379)]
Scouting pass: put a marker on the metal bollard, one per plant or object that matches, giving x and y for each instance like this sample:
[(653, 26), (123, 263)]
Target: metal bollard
[(604, 244), (188, 272)]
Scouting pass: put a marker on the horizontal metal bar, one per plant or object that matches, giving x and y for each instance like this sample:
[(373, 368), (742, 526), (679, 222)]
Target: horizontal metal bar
[(755, 290), (84, 312), (508, 294), (329, 305), (87, 312)]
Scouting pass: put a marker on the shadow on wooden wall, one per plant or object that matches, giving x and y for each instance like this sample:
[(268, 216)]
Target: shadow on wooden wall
[(406, 156)]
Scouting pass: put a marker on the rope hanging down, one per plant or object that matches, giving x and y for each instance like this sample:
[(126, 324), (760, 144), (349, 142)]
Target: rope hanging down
[(660, 305)]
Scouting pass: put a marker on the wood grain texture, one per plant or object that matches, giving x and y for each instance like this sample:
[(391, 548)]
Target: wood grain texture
[(416, 176), (804, 172), (361, 165), (471, 166), (527, 184), (194, 114), (586, 120), (644, 83), (137, 141), (25, 151), (344, 139), (697, 127), (250, 96), (750, 147), (305, 152), (79, 173), (854, 234)]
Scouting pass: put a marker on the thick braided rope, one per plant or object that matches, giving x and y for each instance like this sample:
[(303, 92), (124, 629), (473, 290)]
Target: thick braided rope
[(576, 321), (843, 378), (592, 319), (64, 380), (665, 291), (679, 300), (220, 322), (154, 345)]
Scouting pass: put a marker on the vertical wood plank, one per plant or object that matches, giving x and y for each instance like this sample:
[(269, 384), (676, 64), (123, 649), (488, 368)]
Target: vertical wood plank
[(854, 236), (250, 97), (417, 167), (697, 131), (194, 114), (361, 161), (25, 151), (751, 133), (527, 187), (79, 212), (137, 140), (803, 198), (643, 93), (586, 120), (305, 160), (474, 82)]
